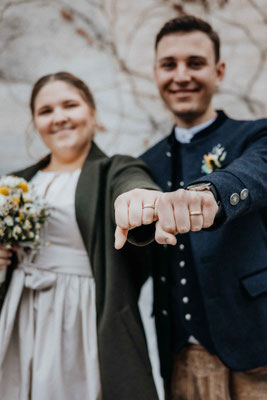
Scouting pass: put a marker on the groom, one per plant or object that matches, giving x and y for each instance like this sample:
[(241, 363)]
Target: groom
[(210, 285)]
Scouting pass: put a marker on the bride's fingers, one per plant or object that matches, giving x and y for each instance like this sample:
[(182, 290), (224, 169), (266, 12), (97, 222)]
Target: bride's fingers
[(120, 237)]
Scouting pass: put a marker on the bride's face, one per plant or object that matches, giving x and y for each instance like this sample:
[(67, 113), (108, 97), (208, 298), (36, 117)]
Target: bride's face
[(64, 120)]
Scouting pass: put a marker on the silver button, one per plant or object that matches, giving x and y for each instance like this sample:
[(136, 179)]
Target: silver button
[(165, 313), (181, 246), (168, 154), (182, 264), (234, 199), (181, 183), (183, 281), (163, 279), (169, 184), (188, 317), (185, 300), (244, 194)]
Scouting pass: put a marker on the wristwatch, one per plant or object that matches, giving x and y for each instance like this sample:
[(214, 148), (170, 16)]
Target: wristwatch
[(205, 186), (200, 186)]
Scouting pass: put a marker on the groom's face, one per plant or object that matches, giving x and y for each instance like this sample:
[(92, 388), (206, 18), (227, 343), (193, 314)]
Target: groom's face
[(186, 73)]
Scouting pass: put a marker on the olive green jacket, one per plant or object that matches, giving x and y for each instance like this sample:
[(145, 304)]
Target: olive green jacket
[(125, 368)]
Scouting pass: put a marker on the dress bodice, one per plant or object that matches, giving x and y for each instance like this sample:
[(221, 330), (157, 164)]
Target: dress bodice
[(61, 241)]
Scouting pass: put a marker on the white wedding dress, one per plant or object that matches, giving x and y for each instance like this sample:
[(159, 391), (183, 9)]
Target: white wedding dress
[(48, 343)]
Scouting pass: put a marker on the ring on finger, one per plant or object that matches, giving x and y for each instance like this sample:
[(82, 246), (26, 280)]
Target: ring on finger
[(192, 213), (148, 206)]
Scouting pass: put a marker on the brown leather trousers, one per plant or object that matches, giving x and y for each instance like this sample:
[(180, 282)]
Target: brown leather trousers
[(198, 375)]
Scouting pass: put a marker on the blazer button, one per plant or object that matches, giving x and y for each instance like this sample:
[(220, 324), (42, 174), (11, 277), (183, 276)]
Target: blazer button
[(244, 194), (168, 154), (169, 184), (234, 199), (165, 313)]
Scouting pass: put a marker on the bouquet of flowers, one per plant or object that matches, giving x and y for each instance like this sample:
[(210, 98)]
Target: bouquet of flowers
[(22, 213)]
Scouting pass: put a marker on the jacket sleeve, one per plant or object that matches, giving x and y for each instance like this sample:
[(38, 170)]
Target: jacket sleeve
[(242, 185)]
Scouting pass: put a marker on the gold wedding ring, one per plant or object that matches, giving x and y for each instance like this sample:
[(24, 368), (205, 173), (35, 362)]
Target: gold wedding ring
[(195, 213), (148, 206)]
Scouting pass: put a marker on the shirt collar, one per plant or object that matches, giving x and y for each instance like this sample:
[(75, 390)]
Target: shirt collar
[(184, 135)]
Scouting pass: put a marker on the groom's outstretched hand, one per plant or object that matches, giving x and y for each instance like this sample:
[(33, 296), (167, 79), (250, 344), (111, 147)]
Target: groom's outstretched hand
[(183, 211)]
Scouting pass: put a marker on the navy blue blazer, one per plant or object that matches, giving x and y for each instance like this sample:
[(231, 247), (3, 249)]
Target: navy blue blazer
[(231, 260)]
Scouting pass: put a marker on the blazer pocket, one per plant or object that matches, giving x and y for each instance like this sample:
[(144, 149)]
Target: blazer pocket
[(256, 284), (135, 332)]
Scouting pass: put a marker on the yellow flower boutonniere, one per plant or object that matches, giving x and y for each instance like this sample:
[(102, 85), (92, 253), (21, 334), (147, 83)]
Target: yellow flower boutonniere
[(213, 160)]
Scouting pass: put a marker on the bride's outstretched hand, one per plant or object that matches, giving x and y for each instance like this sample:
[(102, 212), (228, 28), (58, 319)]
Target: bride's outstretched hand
[(132, 209)]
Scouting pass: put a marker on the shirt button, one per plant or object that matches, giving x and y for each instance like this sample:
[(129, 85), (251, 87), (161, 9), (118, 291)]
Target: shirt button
[(183, 281), (181, 183), (185, 300), (234, 199), (182, 264), (164, 312), (188, 317), (168, 154), (163, 279), (169, 184), (181, 246), (244, 194)]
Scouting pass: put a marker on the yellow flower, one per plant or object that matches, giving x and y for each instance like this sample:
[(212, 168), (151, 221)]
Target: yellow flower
[(208, 160), (4, 190), (1, 231), (16, 200), (23, 186)]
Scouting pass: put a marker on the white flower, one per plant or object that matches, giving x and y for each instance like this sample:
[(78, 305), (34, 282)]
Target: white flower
[(27, 224), (11, 181), (17, 230), (3, 200), (27, 197), (8, 221)]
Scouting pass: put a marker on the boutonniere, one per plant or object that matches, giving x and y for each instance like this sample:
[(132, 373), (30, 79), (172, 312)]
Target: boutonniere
[(213, 160)]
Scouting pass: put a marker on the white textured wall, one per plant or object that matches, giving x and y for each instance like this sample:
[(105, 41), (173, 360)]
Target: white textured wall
[(109, 44)]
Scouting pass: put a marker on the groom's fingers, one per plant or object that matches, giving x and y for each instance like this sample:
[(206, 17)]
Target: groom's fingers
[(163, 237), (120, 237)]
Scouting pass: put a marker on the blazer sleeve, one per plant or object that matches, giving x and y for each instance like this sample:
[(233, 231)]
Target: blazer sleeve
[(245, 178)]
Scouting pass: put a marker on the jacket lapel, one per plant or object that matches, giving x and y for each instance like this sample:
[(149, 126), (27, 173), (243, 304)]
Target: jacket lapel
[(87, 197)]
